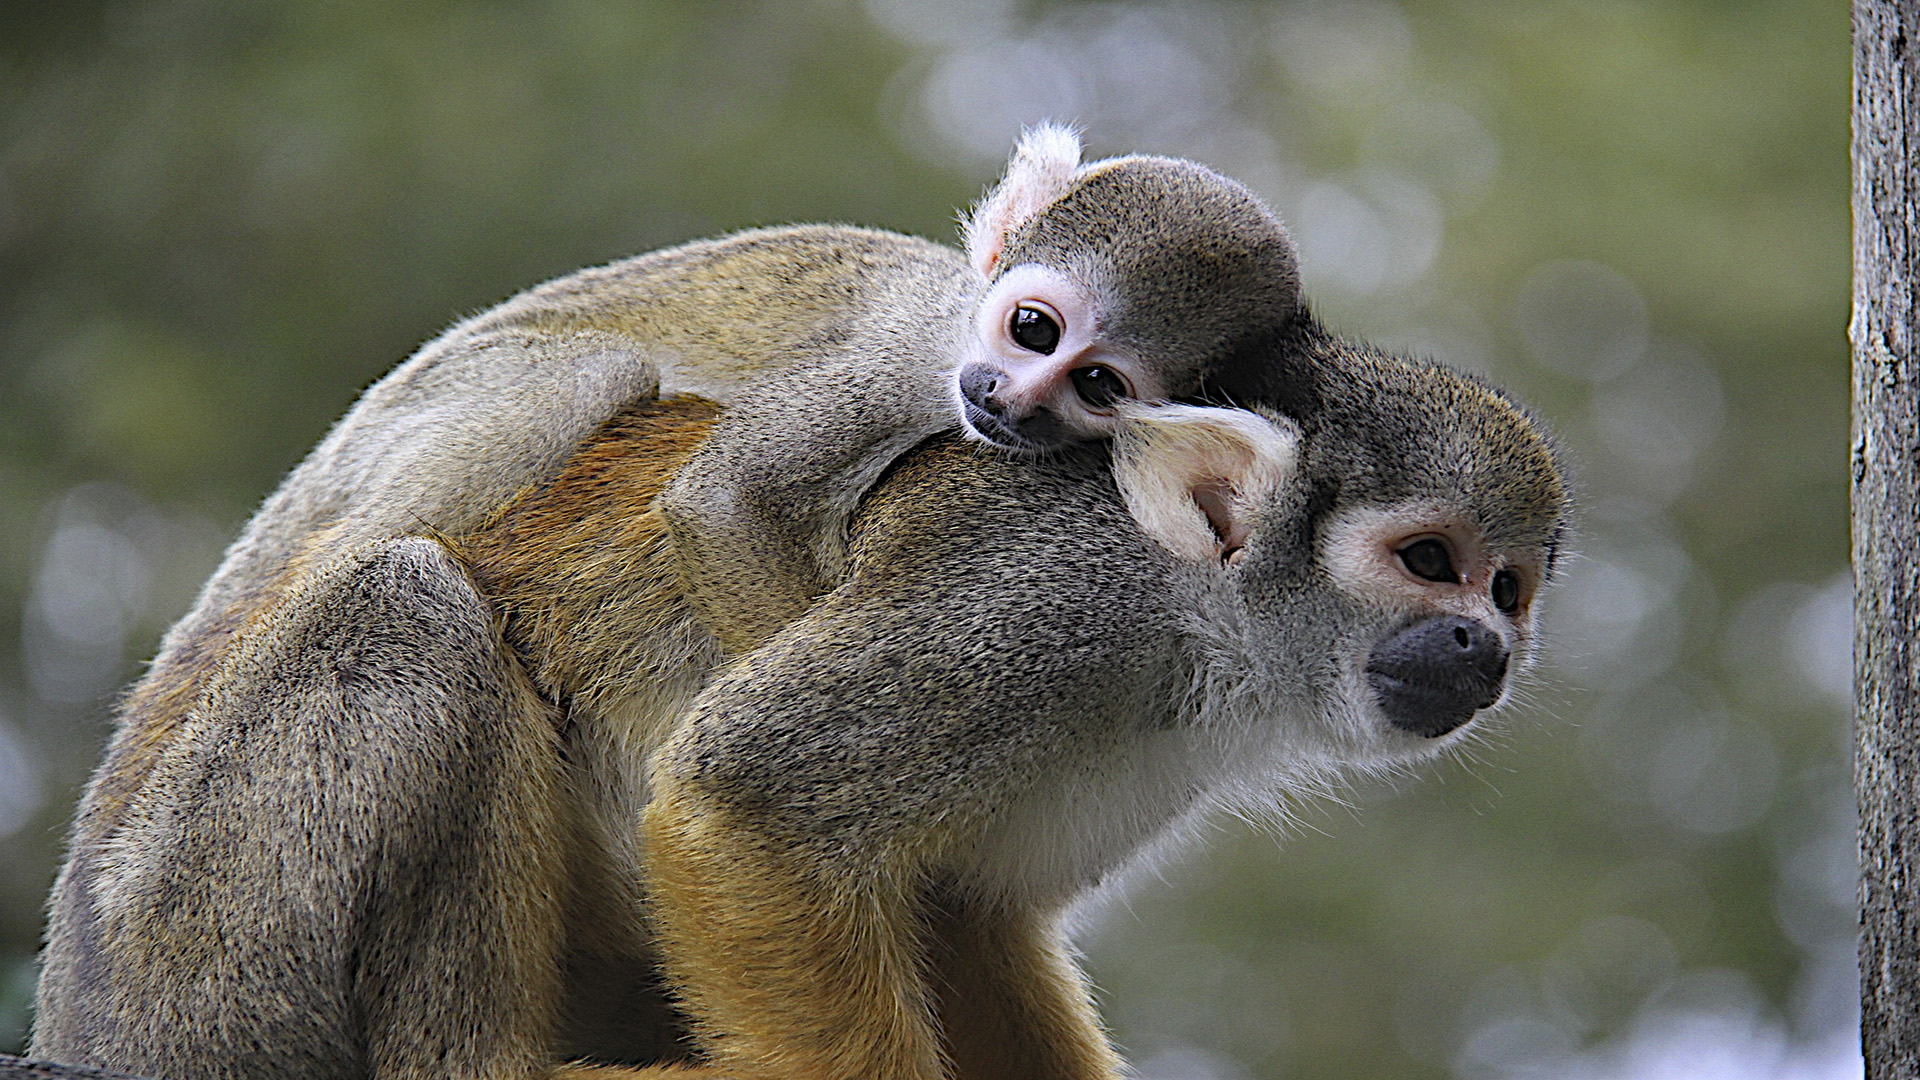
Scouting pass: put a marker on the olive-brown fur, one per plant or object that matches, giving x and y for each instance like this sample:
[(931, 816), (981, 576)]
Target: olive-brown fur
[(541, 719)]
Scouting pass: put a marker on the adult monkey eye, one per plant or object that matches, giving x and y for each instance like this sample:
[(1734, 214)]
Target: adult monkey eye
[(1098, 386), (1506, 591), (1034, 329), (1429, 560)]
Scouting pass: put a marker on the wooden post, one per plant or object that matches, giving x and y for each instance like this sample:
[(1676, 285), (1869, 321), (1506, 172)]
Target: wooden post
[(1886, 526)]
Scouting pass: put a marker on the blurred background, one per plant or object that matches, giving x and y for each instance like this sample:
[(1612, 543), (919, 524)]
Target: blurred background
[(220, 219)]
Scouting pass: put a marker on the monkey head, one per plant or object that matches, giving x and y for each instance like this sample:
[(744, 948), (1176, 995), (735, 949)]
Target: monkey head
[(1129, 279), (1370, 556)]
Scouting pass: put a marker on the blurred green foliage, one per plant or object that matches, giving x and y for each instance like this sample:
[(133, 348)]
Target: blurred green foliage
[(220, 219)]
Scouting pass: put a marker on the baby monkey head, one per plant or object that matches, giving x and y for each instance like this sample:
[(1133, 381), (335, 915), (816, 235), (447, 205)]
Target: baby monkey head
[(1128, 279), (1371, 555)]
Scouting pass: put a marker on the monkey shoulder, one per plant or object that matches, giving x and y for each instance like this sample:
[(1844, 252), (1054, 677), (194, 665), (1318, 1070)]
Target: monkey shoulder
[(952, 499)]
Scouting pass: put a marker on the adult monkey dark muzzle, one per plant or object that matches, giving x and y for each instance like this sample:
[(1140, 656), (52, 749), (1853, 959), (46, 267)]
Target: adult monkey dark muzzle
[(1433, 676)]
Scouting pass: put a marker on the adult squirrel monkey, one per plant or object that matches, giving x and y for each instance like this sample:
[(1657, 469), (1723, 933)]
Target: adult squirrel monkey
[(541, 725)]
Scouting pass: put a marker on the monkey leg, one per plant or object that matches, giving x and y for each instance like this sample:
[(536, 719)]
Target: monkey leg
[(346, 860)]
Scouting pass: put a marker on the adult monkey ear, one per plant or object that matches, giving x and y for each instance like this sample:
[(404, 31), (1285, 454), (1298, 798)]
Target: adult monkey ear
[(1043, 167), (1192, 476)]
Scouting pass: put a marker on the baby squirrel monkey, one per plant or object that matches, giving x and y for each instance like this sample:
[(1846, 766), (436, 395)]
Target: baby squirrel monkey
[(1134, 279), (836, 350), (462, 765)]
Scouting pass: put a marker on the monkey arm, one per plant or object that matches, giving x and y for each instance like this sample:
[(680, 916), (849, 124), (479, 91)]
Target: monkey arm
[(760, 514), (1012, 1002), (789, 975), (759, 524), (816, 836), (804, 881), (822, 938), (345, 861)]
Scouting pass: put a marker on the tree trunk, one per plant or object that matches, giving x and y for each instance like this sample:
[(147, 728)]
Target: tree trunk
[(1886, 526)]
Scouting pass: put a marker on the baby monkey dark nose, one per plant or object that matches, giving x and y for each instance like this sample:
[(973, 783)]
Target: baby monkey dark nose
[(1008, 424), (977, 384), (1433, 676)]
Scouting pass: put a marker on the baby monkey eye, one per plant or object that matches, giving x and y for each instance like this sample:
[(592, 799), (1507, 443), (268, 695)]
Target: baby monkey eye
[(1429, 560), (1506, 591), (1034, 329), (1098, 386)]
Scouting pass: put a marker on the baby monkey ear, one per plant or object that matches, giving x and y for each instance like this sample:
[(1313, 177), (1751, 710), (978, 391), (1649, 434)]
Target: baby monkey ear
[(1042, 169), (1193, 476)]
